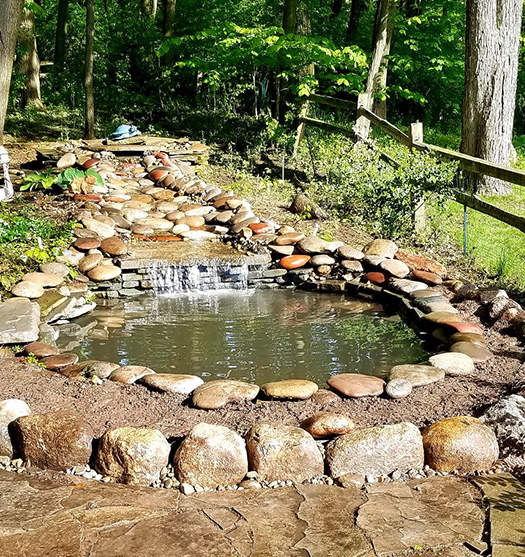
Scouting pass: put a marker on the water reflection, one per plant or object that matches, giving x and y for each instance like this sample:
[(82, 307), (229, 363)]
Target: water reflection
[(255, 336)]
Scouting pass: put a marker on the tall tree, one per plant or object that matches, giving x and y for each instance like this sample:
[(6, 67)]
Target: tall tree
[(89, 127), (489, 97), (290, 16), (30, 61), (168, 24), (356, 11), (60, 34), (11, 11), (149, 8)]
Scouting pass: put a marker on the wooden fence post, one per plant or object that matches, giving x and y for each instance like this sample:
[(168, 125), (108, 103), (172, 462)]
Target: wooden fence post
[(362, 124), (415, 135), (301, 128)]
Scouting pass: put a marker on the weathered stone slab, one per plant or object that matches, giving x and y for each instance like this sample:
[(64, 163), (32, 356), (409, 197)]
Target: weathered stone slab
[(19, 321)]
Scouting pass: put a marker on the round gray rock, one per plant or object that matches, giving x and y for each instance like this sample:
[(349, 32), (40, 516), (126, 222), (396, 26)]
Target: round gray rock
[(417, 375), (398, 388), (453, 363)]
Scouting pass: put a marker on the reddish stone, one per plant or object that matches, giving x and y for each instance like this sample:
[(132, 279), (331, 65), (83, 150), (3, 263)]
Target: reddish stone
[(85, 244), (40, 349), (87, 197), (465, 327), (113, 246), (356, 385), (294, 261), (159, 155), (419, 263), (114, 199), (165, 238), (426, 276), (54, 363), (90, 163), (261, 228), (158, 174), (375, 277)]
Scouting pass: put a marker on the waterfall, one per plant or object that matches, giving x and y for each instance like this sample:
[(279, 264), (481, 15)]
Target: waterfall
[(172, 278)]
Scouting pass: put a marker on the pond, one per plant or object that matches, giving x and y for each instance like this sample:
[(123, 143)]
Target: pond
[(256, 336)]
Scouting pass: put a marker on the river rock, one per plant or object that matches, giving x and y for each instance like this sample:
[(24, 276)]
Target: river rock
[(318, 260), (56, 440), (313, 245), (157, 224), (460, 443), (66, 161), (218, 393), (325, 397), (10, 410), (381, 248), (28, 289), (406, 286), (376, 451), (351, 266), (172, 383), (130, 374), (133, 215), (294, 261), (375, 277), (419, 263), (290, 388), (417, 375), (289, 239), (348, 252), (395, 268), (507, 418), (429, 278), (19, 321), (453, 363), (90, 262), (283, 453), (462, 327), (86, 244), (60, 361), (55, 269), (102, 229), (356, 385), (210, 456), (398, 388), (132, 455), (104, 272), (40, 349), (467, 337), (327, 424), (113, 246), (47, 280), (474, 351)]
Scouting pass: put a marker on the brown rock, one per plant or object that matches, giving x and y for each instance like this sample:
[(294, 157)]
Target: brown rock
[(40, 349), (375, 277), (210, 456), (55, 363), (132, 455), (290, 388), (46, 280), (464, 327), (90, 262), (289, 239), (325, 397), (443, 317), (130, 374), (113, 246), (460, 443), (327, 424), (283, 453), (395, 268), (467, 337), (27, 289), (351, 266), (429, 278), (218, 393), (294, 261), (10, 410), (85, 244), (475, 351), (381, 248), (419, 263), (417, 375), (356, 385), (350, 253), (172, 383), (57, 440), (104, 272)]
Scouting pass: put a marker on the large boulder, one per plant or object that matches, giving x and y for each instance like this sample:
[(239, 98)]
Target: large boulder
[(460, 443), (132, 455), (10, 410), (283, 453), (56, 440), (507, 418), (211, 455), (376, 451)]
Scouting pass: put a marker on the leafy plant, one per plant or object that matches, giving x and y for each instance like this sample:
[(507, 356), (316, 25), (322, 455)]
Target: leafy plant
[(66, 178), (36, 181)]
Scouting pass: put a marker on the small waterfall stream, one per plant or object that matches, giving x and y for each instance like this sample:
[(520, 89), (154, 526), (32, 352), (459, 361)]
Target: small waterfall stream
[(172, 278)]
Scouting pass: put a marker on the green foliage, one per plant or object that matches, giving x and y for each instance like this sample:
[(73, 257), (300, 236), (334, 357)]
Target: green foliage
[(66, 178), (38, 181)]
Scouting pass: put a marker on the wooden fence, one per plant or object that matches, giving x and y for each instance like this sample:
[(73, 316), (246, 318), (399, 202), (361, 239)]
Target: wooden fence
[(414, 140)]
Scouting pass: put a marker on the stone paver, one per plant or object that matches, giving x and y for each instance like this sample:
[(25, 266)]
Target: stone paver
[(19, 321), (439, 516)]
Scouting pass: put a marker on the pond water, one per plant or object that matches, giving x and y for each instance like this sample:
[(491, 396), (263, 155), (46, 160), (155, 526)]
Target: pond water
[(256, 336)]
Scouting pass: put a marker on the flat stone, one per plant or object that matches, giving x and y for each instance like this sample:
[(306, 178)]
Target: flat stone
[(474, 351), (462, 327), (113, 246), (289, 239), (104, 272), (97, 368), (66, 161), (192, 222), (156, 224), (398, 388), (261, 228), (372, 260), (419, 263), (55, 363), (55, 269), (430, 278), (210, 456), (133, 215), (172, 383), (443, 317), (130, 374), (19, 321), (86, 244), (90, 262), (218, 393), (460, 443), (10, 410), (28, 289), (428, 293), (294, 261), (283, 453), (313, 245), (376, 451), (102, 229), (453, 363), (395, 268), (56, 440), (325, 397), (348, 252), (356, 385), (351, 266), (406, 286), (301, 389), (322, 260), (417, 375), (375, 277), (381, 248), (40, 349), (327, 424), (467, 337), (132, 455)]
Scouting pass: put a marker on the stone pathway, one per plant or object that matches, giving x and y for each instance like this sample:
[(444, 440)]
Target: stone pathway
[(439, 516)]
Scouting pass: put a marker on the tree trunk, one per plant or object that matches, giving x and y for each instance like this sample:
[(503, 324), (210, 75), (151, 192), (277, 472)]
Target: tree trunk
[(60, 35), (168, 23), (377, 73), (290, 16), (353, 23), (11, 11), (30, 62), (149, 8), (336, 8), (89, 128), (489, 97)]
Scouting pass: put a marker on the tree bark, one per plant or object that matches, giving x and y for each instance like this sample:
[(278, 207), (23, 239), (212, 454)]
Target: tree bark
[(290, 16), (11, 11), (149, 8), (353, 23), (89, 128), (377, 72), (336, 8), (168, 23), (489, 97), (30, 62), (60, 34)]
